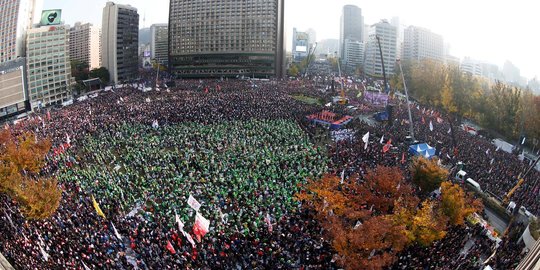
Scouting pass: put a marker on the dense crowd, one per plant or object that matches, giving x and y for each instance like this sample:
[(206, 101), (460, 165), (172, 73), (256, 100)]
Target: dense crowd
[(238, 148)]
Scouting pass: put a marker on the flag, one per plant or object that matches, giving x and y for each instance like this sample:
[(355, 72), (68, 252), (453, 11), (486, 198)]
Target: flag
[(449, 130), (365, 139), (193, 203), (523, 142), (398, 185), (430, 125), (403, 158), (180, 223), (423, 120), (6, 126), (116, 232), (44, 254), (190, 239), (498, 147), (382, 139), (342, 176), (85, 267), (49, 115), (98, 209), (487, 152), (491, 162), (268, 221), (439, 120), (387, 146), (201, 226), (68, 140), (170, 248)]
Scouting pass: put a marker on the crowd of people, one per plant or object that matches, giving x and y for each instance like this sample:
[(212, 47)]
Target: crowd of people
[(241, 148)]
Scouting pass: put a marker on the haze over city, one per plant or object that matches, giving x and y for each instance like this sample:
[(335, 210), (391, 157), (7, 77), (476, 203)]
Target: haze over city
[(491, 31)]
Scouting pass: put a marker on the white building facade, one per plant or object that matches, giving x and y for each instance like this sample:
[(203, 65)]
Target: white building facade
[(387, 34), (354, 55), (85, 44), (420, 43), (159, 43), (49, 70), (16, 17)]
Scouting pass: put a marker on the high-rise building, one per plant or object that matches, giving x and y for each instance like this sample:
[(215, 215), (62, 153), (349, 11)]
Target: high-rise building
[(511, 73), (209, 38), (471, 66), (13, 88), (16, 18), (354, 55), (312, 34), (85, 44), (300, 45), (159, 43), (119, 41), (49, 70), (351, 26), (387, 34), (420, 43)]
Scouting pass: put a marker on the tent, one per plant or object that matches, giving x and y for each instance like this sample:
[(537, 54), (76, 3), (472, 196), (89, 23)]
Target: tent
[(422, 149)]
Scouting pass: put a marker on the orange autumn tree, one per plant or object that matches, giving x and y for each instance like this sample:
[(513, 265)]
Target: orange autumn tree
[(21, 159), (356, 216), (456, 204)]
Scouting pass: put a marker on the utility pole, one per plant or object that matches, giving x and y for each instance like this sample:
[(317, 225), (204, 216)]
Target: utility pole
[(411, 128)]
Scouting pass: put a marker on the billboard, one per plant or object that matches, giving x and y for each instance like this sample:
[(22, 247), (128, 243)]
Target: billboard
[(301, 48), (51, 17)]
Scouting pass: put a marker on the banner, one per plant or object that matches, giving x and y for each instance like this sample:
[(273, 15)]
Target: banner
[(376, 98), (201, 226), (193, 203)]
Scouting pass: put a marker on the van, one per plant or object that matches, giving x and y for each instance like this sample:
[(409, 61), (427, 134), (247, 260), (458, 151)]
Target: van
[(474, 184)]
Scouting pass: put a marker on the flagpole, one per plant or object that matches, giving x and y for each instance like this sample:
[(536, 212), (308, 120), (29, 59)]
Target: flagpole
[(411, 129)]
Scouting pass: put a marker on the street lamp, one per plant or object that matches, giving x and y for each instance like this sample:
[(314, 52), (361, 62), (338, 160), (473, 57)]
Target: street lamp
[(411, 129)]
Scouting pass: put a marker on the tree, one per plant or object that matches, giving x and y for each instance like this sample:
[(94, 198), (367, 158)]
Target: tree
[(102, 73), (427, 175), (21, 159), (456, 204), (427, 226), (356, 215), (293, 70), (79, 70)]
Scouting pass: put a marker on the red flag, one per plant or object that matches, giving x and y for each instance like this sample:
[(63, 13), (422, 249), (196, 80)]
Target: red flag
[(170, 247), (403, 158), (206, 90), (423, 120), (386, 147), (49, 115), (201, 226), (219, 87)]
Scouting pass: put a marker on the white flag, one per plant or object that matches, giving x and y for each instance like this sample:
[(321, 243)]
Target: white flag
[(342, 176), (268, 221), (430, 125), (365, 139), (358, 224), (116, 232), (180, 223), (193, 203), (523, 142), (449, 130), (45, 255), (491, 162), (85, 267), (487, 152), (382, 139)]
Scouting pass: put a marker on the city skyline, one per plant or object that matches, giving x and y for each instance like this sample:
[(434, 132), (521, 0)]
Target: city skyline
[(491, 31)]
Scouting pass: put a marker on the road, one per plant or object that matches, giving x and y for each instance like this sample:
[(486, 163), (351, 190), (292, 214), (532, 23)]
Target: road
[(495, 220)]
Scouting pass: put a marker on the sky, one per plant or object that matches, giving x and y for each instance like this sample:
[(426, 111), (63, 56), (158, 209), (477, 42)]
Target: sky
[(491, 31)]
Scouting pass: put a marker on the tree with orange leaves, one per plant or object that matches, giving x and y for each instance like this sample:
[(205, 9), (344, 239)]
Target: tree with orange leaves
[(21, 159), (456, 204)]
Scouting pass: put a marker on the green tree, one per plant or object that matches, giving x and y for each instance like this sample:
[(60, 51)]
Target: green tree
[(79, 70), (102, 73), (293, 70)]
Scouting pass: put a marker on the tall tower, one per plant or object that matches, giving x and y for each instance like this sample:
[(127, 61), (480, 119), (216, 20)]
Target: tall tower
[(16, 18), (388, 36), (351, 27), (119, 41), (227, 38)]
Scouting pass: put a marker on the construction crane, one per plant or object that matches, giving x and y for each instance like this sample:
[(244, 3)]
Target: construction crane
[(382, 63), (520, 182), (342, 97)]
